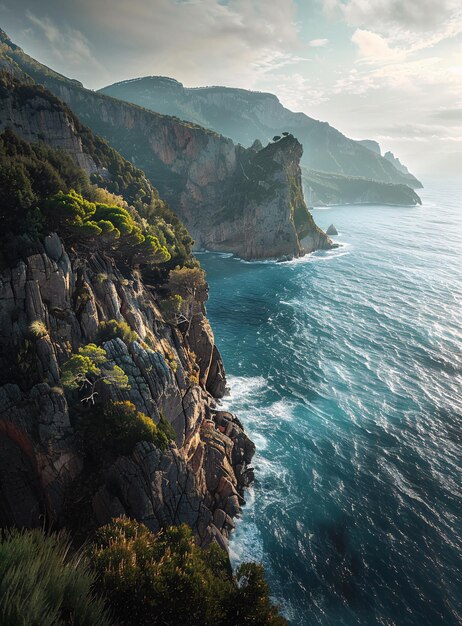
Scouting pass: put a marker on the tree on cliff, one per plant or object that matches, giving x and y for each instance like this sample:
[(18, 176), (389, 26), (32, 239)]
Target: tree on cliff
[(105, 225), (190, 285), (83, 371)]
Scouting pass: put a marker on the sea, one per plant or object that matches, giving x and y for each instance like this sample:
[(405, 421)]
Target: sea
[(346, 369)]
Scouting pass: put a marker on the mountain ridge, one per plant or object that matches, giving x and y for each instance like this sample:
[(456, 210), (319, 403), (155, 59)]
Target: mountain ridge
[(233, 116)]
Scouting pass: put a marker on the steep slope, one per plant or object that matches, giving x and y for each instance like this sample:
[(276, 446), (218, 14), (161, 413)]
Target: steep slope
[(195, 170), (322, 188), (63, 461), (246, 115)]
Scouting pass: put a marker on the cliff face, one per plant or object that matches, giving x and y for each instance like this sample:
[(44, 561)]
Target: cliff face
[(198, 480), (195, 170), (246, 115), (47, 473), (231, 199), (36, 116)]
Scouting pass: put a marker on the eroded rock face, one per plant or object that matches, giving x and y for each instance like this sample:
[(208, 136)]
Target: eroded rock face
[(199, 480)]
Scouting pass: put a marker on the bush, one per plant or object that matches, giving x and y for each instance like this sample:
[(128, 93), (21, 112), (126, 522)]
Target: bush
[(114, 328), (167, 579), (89, 367), (117, 427), (171, 308), (43, 583), (38, 329)]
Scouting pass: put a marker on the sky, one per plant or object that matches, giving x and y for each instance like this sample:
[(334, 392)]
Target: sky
[(389, 70)]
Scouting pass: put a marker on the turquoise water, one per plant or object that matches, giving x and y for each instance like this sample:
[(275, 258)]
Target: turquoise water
[(346, 368)]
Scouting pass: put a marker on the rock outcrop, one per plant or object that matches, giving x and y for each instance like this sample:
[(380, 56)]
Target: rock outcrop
[(332, 231), (200, 173), (198, 480)]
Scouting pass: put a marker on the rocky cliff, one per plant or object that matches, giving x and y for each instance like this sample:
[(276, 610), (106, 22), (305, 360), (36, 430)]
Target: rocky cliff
[(246, 115), (195, 170), (55, 298), (198, 480)]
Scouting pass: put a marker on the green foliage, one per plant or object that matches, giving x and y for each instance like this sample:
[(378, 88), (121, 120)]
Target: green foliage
[(115, 328), (89, 367), (29, 173), (167, 579), (43, 583), (171, 308), (117, 427), (188, 283), (38, 329), (169, 230), (43, 189), (112, 227)]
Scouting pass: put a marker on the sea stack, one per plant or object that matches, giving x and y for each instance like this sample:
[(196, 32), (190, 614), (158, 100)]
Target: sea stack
[(331, 230)]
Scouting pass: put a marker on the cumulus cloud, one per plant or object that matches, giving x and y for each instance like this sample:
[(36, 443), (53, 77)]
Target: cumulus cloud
[(374, 47)]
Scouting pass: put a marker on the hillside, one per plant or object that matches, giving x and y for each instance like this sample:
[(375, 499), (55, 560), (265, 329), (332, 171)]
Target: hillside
[(322, 188), (246, 115), (197, 171)]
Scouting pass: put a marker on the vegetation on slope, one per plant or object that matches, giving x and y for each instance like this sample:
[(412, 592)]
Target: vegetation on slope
[(329, 188), (166, 579), (128, 576), (43, 582)]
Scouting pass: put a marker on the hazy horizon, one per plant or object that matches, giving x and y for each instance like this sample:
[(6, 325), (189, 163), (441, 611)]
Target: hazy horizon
[(384, 70)]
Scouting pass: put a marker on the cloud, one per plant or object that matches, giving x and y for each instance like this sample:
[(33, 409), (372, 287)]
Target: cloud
[(374, 47), (66, 42), (448, 116), (402, 14), (318, 43), (402, 26), (196, 41)]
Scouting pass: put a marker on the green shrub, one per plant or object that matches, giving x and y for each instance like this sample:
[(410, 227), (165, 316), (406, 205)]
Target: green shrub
[(114, 328), (107, 226), (167, 579), (43, 583), (117, 427), (38, 329), (87, 368), (171, 308)]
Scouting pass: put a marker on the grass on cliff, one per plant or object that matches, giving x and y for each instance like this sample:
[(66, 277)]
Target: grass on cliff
[(128, 576), (43, 583)]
